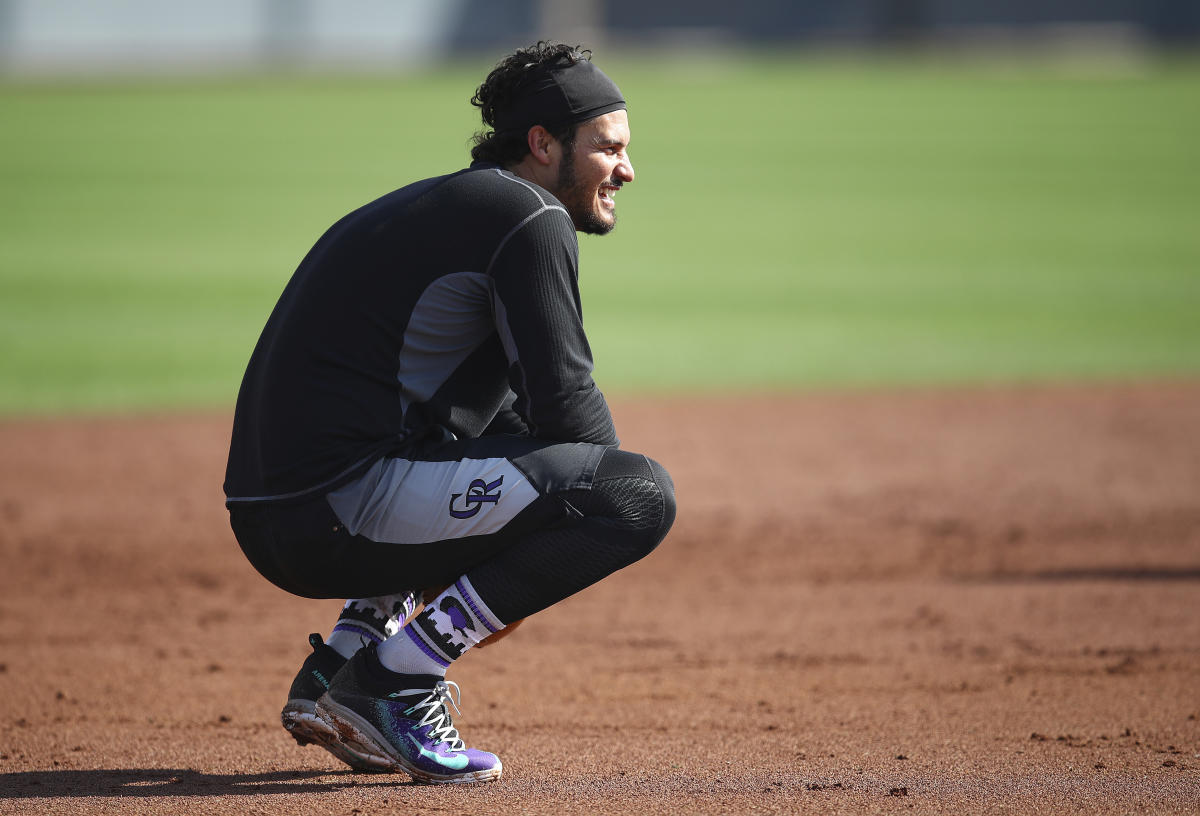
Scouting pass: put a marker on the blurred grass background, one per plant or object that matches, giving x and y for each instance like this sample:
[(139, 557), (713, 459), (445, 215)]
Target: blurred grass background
[(796, 222)]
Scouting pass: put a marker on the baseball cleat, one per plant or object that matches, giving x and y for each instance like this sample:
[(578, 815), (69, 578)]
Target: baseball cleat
[(401, 729), (299, 715)]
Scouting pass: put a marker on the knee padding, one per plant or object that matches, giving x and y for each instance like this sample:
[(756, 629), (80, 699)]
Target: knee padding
[(632, 493), (620, 519), (616, 462), (667, 486)]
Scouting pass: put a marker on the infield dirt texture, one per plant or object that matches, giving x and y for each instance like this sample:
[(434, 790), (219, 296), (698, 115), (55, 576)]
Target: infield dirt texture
[(934, 601)]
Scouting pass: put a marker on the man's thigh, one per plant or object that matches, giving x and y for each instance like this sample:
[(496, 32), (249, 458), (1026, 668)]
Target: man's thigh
[(420, 521), (461, 490)]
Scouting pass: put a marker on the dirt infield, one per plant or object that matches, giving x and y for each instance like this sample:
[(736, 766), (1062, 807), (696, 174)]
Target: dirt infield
[(951, 601)]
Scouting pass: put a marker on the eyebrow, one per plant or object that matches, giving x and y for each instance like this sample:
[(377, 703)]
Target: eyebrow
[(605, 139)]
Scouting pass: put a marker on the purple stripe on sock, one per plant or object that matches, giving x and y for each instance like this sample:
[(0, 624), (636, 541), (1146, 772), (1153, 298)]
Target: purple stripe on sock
[(471, 603), (370, 634), (430, 653)]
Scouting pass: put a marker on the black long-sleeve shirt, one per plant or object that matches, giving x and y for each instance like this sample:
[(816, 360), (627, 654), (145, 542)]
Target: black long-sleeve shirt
[(451, 302)]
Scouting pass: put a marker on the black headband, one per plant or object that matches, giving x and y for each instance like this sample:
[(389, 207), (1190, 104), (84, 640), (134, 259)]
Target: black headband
[(559, 95)]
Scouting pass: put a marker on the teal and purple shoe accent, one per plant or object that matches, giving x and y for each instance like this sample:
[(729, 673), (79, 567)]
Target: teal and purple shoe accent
[(394, 722)]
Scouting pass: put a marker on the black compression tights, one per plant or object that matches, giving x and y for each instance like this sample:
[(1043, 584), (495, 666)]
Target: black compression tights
[(622, 518)]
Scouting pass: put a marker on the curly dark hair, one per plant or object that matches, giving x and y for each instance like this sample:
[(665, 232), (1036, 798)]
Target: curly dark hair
[(498, 90)]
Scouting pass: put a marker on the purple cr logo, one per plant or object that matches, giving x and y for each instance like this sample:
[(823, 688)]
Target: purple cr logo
[(477, 493)]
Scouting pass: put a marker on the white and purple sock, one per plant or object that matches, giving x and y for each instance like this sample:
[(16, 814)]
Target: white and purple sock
[(450, 624), (369, 620)]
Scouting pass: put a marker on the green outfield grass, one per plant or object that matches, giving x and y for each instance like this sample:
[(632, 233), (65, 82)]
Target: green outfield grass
[(795, 222)]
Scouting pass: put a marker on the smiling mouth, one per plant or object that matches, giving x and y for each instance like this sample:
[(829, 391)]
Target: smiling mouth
[(607, 192)]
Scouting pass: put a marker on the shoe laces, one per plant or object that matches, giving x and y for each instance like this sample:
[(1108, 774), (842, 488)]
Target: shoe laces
[(437, 715)]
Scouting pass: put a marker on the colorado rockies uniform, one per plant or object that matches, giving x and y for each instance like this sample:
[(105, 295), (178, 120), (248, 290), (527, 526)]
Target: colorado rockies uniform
[(421, 401)]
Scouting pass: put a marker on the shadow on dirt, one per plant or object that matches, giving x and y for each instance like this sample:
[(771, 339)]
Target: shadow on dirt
[(1091, 574), (152, 782)]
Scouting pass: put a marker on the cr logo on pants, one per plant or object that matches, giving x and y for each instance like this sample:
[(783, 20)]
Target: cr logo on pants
[(477, 493)]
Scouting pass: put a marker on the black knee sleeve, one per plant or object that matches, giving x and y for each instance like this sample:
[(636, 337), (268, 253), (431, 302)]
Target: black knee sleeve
[(632, 493), (623, 516)]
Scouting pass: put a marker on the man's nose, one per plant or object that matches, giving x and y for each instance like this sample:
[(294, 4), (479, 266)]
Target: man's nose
[(624, 170)]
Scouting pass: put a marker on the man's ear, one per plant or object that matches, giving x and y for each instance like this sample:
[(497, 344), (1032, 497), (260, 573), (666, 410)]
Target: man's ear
[(541, 145)]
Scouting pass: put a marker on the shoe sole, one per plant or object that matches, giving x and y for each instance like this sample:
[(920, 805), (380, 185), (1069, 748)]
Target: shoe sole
[(300, 719), (364, 741)]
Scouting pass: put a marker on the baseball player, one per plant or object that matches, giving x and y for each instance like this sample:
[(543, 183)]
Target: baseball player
[(419, 423)]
